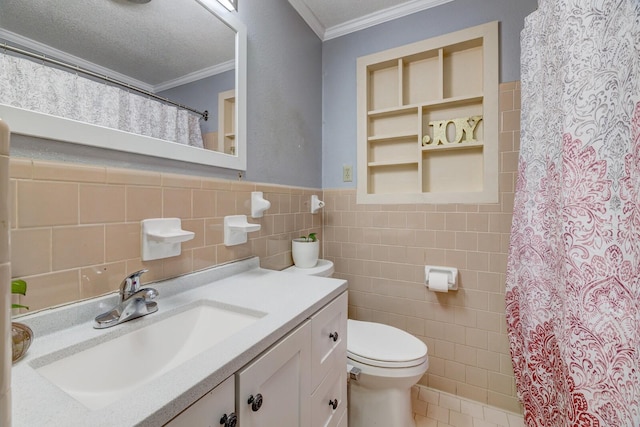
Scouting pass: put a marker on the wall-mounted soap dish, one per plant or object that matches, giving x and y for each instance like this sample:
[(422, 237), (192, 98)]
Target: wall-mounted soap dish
[(236, 228), (162, 238)]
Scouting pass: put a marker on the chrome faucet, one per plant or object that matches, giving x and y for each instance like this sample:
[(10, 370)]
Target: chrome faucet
[(134, 302)]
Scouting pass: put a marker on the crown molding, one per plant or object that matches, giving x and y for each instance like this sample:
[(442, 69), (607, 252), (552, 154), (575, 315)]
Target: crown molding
[(381, 16), (310, 18), (384, 15), (196, 75)]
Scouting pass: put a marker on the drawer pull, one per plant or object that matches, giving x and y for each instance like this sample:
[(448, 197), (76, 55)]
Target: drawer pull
[(230, 420), (255, 402), (334, 336), (333, 403)]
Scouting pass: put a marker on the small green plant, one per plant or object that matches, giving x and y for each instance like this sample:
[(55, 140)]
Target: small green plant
[(310, 238), (19, 287)]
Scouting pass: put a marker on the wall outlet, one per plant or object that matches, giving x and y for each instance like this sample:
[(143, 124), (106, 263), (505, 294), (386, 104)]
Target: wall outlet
[(347, 173)]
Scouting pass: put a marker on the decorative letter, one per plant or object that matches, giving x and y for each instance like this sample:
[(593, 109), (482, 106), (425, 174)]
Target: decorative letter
[(468, 126), (464, 126), (439, 132)]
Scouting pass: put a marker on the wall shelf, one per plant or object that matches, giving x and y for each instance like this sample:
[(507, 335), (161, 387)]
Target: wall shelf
[(462, 146), (392, 162), (428, 120), (392, 137), (227, 122), (439, 102), (393, 111)]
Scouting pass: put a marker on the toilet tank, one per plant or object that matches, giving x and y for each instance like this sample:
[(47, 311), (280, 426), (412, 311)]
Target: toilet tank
[(323, 268)]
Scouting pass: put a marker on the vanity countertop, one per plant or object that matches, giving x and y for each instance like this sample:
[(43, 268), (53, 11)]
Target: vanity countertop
[(286, 298)]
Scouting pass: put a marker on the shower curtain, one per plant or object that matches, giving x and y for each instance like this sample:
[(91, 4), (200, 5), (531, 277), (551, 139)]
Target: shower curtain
[(572, 291), (38, 87)]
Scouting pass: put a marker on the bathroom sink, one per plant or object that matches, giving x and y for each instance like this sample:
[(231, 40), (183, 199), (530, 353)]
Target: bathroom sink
[(102, 374)]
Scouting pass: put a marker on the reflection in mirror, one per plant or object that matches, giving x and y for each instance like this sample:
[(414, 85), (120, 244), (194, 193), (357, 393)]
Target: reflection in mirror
[(186, 52)]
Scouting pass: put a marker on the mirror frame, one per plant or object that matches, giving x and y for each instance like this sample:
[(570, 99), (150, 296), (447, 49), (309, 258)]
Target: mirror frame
[(31, 123)]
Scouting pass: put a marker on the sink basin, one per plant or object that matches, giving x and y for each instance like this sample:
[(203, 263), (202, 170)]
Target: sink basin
[(102, 374)]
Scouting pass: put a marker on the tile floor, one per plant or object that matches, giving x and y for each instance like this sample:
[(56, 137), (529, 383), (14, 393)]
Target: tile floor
[(433, 408)]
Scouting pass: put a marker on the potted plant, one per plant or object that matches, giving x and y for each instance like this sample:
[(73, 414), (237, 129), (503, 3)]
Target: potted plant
[(21, 334), (305, 251)]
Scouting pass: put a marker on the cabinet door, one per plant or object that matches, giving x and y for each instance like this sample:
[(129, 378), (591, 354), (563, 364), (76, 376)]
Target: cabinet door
[(210, 409), (274, 390), (329, 339)]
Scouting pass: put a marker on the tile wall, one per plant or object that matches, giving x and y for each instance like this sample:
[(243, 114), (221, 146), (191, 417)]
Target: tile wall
[(76, 228), (382, 250)]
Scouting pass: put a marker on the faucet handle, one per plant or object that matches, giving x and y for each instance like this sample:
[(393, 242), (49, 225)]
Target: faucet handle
[(131, 283)]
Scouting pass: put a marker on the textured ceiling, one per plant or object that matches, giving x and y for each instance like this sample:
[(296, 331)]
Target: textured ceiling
[(153, 43)]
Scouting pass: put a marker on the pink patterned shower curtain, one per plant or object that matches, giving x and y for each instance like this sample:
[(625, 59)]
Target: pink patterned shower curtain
[(573, 291)]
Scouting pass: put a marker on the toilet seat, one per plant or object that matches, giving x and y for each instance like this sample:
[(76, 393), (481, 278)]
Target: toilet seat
[(384, 346)]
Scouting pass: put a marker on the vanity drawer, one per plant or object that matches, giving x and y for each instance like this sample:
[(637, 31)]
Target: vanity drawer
[(332, 392), (329, 340)]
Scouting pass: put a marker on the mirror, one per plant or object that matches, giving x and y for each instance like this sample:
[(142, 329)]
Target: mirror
[(153, 56)]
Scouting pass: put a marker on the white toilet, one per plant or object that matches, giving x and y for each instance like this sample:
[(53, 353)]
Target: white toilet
[(388, 362), (391, 361)]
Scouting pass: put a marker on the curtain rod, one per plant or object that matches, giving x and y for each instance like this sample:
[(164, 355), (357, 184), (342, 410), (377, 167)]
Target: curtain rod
[(204, 114)]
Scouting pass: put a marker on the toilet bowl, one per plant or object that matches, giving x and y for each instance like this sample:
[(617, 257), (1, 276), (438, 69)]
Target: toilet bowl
[(390, 362), (385, 362)]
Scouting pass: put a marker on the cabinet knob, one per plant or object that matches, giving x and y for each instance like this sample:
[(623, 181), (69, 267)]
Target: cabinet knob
[(334, 336), (333, 403), (230, 420), (255, 402)]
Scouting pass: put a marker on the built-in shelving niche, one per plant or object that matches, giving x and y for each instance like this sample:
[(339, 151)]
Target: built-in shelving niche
[(402, 157), (227, 122)]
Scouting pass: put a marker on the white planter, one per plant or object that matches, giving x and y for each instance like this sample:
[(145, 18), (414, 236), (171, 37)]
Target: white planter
[(305, 254)]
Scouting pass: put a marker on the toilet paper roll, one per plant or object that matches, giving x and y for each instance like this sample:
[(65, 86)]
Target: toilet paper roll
[(438, 282)]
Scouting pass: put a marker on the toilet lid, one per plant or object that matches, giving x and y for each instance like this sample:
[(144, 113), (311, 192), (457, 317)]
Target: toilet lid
[(382, 345)]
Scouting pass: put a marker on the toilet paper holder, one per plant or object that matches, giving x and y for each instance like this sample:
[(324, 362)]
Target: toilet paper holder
[(451, 272)]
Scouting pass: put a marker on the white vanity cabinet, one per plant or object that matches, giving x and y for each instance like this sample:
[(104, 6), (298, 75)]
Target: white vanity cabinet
[(328, 363), (214, 409), (274, 389), (300, 381)]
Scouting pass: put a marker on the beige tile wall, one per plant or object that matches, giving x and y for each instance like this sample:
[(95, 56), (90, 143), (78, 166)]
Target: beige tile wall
[(76, 228), (382, 251)]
